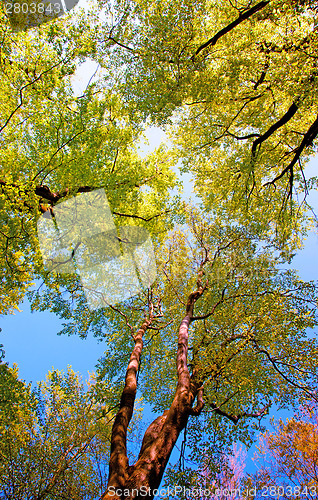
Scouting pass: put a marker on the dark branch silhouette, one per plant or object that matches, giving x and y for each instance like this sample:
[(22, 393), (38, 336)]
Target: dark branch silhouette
[(242, 17)]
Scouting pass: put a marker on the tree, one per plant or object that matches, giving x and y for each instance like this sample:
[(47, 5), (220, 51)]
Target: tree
[(66, 144), (54, 440), (247, 343), (230, 481), (221, 282), (238, 83), (287, 458)]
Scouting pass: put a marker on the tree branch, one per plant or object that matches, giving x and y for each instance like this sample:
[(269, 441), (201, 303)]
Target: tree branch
[(287, 379), (308, 139), (121, 44), (200, 403), (146, 219), (242, 17), (195, 318), (54, 197), (282, 121), (118, 463), (236, 418), (24, 87)]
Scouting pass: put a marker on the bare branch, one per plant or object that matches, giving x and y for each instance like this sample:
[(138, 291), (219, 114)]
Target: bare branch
[(308, 139), (282, 121), (242, 17), (121, 44), (287, 379), (236, 418), (146, 219), (124, 316)]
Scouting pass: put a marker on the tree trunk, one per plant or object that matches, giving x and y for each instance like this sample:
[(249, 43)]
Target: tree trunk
[(141, 479)]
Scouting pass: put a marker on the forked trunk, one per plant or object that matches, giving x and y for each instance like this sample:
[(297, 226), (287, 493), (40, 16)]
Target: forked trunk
[(143, 478)]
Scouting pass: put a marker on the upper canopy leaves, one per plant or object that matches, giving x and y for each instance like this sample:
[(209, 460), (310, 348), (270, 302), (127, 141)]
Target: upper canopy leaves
[(239, 83), (56, 144)]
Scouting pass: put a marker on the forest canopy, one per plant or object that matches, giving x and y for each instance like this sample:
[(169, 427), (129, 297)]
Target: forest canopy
[(226, 332)]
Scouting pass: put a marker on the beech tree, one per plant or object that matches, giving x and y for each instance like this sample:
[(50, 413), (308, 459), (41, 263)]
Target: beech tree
[(235, 83), (56, 144), (244, 323), (223, 308)]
